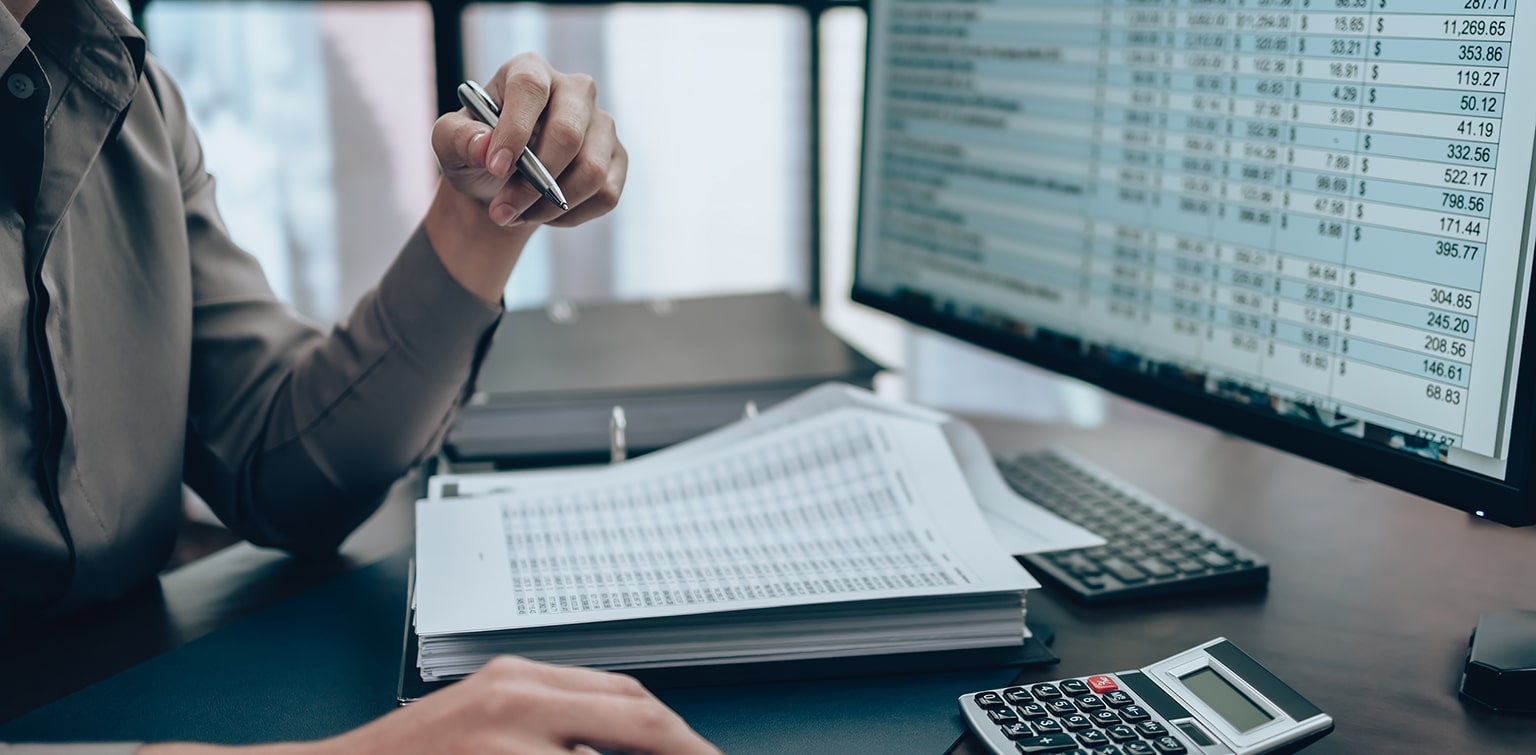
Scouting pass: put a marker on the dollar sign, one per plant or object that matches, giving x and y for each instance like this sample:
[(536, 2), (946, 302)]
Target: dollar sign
[(1346, 322), (1349, 301), (1378, 49), (1380, 22), (1373, 94), (1362, 188), (1370, 119), (1375, 71), (1351, 278), (1365, 162), (1359, 211), (1367, 141), (1357, 233)]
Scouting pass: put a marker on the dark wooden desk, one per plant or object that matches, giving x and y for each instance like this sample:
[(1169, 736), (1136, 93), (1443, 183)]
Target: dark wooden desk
[(1372, 595), (1372, 592)]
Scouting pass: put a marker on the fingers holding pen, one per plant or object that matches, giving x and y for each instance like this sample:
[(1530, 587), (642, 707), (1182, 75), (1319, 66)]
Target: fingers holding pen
[(524, 85)]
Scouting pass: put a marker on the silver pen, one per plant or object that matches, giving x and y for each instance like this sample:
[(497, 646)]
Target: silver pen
[(484, 108)]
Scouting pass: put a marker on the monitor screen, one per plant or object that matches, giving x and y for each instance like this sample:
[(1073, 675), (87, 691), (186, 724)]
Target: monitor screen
[(1304, 221)]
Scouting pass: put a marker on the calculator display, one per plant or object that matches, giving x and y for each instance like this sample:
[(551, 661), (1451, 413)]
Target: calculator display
[(1225, 699)]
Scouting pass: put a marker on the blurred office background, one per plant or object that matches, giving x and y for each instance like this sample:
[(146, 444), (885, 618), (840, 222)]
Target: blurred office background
[(315, 119)]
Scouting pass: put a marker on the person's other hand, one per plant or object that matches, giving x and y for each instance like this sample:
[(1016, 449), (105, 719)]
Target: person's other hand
[(556, 115), (514, 705)]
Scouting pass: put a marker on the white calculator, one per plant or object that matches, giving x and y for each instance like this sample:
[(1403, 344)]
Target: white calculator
[(1209, 700)]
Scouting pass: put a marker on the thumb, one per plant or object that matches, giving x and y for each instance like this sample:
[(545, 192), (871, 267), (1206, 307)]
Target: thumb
[(460, 141)]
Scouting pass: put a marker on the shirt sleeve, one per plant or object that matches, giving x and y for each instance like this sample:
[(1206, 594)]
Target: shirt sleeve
[(293, 435)]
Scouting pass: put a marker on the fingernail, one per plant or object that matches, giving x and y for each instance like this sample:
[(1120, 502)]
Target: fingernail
[(474, 145), (502, 214), (501, 162)]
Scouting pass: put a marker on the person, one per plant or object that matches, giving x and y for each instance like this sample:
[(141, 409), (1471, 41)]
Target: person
[(140, 349)]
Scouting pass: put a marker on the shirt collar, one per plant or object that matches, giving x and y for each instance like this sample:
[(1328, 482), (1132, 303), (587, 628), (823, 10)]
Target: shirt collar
[(91, 39), (12, 40)]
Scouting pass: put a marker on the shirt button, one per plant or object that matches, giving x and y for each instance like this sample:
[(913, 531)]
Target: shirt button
[(20, 86)]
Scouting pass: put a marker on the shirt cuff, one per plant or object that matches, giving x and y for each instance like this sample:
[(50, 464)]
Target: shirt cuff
[(433, 318)]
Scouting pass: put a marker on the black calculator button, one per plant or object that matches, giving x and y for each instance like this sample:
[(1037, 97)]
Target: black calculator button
[(1074, 687), (1076, 722), (1033, 710), (1061, 707), (1095, 582), (1152, 729), (1047, 743), (1093, 738), (1017, 695), (1106, 718), (1107, 750), (1003, 716), (1049, 726), (1075, 751), (1134, 713), (1045, 691), (1121, 733), (1018, 731), (990, 701), (1118, 699), (1169, 746), (1090, 703), (1138, 748)]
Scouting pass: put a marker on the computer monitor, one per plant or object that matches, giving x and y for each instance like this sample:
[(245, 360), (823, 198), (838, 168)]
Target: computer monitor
[(1307, 222)]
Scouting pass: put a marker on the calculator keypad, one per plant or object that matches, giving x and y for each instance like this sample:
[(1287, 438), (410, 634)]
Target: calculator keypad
[(1077, 715)]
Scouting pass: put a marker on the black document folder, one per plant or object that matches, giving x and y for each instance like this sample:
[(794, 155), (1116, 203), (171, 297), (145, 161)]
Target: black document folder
[(678, 368)]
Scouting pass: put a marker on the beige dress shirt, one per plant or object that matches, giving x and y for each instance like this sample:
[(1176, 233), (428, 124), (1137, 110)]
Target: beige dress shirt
[(140, 349)]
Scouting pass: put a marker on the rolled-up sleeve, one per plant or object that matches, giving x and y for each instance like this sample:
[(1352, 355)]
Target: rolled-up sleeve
[(294, 435)]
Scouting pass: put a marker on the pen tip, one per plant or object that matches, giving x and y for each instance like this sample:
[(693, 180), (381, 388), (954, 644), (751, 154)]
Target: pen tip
[(564, 206)]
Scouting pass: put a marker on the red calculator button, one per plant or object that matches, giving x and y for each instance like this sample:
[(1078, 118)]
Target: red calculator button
[(1102, 684)]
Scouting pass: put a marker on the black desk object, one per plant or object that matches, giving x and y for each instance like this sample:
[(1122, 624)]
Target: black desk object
[(1372, 596)]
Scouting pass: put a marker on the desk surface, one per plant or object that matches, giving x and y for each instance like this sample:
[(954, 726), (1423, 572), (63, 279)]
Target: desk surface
[(1371, 597)]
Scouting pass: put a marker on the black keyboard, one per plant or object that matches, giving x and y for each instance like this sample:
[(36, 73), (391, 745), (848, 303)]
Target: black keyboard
[(1153, 548)]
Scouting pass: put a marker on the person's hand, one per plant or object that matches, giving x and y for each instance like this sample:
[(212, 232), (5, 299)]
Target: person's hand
[(513, 706), (484, 210)]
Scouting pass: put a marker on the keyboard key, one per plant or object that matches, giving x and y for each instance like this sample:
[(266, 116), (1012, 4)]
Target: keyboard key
[(1089, 703), (1118, 699), (1152, 729), (1033, 710), (1049, 726), (1077, 722), (1047, 743), (1156, 567), (1017, 695), (1074, 687), (1134, 713), (1045, 691), (1216, 560), (1169, 746), (1108, 750), (1093, 738), (1124, 571), (1121, 733), (1018, 731), (990, 701), (1061, 707), (1138, 748), (1003, 716), (1106, 718), (1102, 683)]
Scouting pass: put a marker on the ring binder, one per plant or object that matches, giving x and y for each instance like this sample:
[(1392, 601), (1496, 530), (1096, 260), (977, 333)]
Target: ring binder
[(618, 449)]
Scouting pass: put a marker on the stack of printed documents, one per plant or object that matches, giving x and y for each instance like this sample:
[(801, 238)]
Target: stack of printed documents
[(834, 526)]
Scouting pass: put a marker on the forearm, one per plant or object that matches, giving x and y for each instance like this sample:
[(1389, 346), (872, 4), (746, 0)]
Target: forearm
[(478, 253), (345, 414)]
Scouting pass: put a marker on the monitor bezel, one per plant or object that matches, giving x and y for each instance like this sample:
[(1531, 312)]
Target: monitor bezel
[(1508, 501)]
